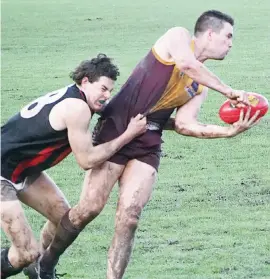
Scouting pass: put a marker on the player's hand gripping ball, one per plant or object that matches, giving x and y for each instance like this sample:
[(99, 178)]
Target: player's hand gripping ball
[(230, 113)]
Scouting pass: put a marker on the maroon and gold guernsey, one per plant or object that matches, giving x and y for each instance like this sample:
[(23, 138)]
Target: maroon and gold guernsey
[(154, 88)]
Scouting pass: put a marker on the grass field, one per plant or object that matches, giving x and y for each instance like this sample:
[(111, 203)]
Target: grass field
[(209, 216)]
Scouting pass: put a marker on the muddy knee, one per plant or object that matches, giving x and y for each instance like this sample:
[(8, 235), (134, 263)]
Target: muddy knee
[(85, 212), (24, 248), (23, 256), (128, 218), (31, 255), (8, 192)]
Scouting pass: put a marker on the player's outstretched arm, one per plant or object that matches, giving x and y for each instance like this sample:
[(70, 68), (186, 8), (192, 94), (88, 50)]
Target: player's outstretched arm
[(178, 42), (80, 137), (186, 122)]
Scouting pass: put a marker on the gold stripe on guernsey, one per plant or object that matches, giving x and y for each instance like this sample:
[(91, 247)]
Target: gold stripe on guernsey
[(160, 59), (180, 89)]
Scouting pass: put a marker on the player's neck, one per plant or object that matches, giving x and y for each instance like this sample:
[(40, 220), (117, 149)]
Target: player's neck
[(199, 49), (85, 94)]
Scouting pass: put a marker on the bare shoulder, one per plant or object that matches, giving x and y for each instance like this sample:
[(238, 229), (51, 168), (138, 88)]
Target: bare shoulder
[(69, 111), (76, 108), (174, 33), (172, 38), (76, 105), (177, 30)]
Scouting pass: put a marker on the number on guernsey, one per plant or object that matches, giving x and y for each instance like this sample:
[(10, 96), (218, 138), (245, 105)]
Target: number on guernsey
[(36, 106)]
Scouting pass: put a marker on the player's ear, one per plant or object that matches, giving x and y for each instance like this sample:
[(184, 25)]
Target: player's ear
[(85, 80), (209, 33)]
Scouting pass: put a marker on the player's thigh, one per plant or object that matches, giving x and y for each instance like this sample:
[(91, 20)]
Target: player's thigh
[(136, 185), (42, 194), (99, 181), (98, 184), (13, 220)]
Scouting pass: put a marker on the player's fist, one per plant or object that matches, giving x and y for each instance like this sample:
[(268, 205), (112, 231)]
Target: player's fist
[(239, 98), (137, 125)]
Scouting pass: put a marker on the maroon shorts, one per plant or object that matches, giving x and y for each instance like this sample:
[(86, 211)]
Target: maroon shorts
[(124, 155), (145, 148)]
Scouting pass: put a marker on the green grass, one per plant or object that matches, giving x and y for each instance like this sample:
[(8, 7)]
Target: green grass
[(209, 217)]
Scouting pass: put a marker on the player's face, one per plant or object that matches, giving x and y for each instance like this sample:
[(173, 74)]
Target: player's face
[(98, 92), (221, 42)]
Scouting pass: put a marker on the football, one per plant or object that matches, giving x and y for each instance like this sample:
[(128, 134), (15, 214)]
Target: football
[(230, 113)]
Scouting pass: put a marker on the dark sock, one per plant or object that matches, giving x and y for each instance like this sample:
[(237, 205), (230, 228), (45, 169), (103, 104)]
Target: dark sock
[(65, 234), (7, 269)]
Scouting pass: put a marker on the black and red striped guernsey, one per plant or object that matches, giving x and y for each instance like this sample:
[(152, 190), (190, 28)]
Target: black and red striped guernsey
[(29, 144)]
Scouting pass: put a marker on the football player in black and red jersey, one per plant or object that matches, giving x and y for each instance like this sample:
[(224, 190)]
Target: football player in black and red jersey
[(40, 136)]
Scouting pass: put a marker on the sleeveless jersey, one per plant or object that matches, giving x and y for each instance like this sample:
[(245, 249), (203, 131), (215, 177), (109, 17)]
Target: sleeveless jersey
[(155, 88), (29, 144)]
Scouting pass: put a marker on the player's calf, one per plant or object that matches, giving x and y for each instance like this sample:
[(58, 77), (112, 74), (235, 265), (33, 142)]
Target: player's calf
[(68, 229), (66, 233), (127, 220), (24, 248), (46, 236)]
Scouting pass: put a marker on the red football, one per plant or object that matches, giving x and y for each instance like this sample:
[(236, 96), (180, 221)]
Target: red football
[(230, 114)]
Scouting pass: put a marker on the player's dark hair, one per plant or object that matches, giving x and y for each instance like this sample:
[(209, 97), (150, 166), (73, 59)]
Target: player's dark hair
[(94, 69), (212, 19)]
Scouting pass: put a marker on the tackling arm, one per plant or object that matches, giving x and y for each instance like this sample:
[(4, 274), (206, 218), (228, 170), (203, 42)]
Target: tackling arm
[(80, 138)]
